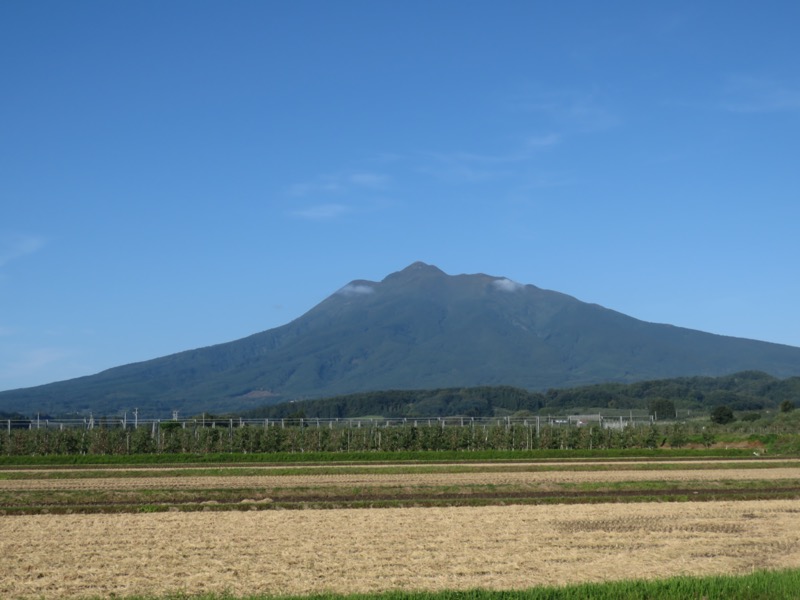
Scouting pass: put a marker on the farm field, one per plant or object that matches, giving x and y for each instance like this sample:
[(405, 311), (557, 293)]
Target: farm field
[(302, 529), (88, 489)]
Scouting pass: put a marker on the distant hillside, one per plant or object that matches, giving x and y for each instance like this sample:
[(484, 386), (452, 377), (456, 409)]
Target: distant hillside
[(746, 391), (468, 402), (416, 329)]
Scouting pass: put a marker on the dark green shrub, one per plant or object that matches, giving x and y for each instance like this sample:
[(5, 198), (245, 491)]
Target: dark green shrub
[(722, 415)]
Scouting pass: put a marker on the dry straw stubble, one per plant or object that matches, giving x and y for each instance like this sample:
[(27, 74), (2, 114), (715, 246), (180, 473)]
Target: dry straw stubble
[(299, 552)]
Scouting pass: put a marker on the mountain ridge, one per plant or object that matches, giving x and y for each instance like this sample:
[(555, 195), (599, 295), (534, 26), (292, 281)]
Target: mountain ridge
[(416, 328)]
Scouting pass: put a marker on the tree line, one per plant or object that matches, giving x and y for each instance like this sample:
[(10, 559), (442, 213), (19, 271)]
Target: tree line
[(175, 437), (745, 391)]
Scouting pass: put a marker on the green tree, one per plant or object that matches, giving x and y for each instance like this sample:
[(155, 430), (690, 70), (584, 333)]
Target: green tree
[(787, 406), (708, 437), (661, 408), (677, 436), (651, 438), (722, 415)]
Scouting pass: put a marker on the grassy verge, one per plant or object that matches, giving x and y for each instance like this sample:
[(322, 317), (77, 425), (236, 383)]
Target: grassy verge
[(761, 585), (402, 456)]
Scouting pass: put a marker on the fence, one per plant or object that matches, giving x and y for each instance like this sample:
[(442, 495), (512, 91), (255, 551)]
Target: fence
[(89, 423), (149, 436)]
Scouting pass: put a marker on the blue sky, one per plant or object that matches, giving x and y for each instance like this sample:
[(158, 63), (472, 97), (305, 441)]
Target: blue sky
[(178, 174)]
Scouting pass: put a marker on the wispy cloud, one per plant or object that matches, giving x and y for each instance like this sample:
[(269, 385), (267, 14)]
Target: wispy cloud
[(463, 167), (471, 167), (321, 211), (543, 141), (543, 180), (746, 94), (556, 115), (568, 110), (16, 246), (369, 180), (300, 190), (338, 184), (333, 196), (34, 361)]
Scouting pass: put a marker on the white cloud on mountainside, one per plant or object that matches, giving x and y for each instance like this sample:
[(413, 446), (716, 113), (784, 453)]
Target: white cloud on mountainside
[(356, 289), (507, 285)]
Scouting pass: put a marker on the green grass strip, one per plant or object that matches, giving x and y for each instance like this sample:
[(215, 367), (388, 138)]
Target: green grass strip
[(760, 585), (400, 456)]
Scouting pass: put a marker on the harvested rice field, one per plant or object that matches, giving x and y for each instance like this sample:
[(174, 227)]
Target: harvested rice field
[(349, 550), (152, 489), (83, 532)]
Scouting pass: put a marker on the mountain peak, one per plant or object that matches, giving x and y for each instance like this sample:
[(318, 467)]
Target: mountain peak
[(415, 271), (421, 267)]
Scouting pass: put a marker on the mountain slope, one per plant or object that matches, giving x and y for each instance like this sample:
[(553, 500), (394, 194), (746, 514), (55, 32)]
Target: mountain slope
[(418, 328)]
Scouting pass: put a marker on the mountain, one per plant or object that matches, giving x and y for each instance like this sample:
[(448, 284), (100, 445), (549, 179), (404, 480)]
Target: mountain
[(417, 328)]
